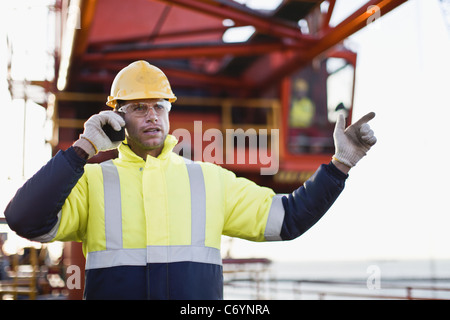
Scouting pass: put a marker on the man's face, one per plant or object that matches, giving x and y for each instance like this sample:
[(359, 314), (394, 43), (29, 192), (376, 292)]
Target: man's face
[(146, 132)]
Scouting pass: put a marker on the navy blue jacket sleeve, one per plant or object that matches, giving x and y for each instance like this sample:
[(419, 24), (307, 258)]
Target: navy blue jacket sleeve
[(33, 210), (306, 205)]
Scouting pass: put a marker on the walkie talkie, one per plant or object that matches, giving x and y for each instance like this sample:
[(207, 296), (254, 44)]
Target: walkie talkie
[(112, 134)]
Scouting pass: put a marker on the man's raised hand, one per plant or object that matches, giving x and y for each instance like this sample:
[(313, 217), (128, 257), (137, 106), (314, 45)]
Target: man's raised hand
[(352, 143)]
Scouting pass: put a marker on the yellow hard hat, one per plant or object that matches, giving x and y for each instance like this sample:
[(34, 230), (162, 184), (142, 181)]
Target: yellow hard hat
[(140, 80)]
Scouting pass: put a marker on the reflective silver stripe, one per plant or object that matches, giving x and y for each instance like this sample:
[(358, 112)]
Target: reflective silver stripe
[(152, 254), (51, 234), (198, 203), (166, 254), (275, 219), (115, 258), (113, 206)]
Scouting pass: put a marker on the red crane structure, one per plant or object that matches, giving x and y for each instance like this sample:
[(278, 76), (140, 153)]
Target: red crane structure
[(274, 87)]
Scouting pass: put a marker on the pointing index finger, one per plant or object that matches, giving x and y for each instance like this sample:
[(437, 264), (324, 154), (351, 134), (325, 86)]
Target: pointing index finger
[(364, 119)]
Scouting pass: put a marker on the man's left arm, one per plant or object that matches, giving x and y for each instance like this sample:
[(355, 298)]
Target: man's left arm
[(292, 215)]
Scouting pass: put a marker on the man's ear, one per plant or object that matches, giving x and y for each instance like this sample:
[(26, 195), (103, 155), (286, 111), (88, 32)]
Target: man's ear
[(116, 109)]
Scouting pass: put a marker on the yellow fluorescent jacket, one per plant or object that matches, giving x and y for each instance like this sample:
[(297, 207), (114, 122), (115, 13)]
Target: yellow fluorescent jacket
[(128, 211)]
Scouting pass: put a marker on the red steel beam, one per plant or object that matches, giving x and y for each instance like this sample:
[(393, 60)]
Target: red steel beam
[(87, 10), (329, 38), (218, 81), (327, 16), (68, 55), (191, 50), (228, 9), (165, 35)]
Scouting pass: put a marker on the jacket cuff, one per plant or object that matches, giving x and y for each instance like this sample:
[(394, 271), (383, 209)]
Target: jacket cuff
[(335, 172), (75, 161)]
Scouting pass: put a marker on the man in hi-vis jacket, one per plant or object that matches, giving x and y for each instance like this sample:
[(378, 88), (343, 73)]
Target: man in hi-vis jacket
[(150, 220)]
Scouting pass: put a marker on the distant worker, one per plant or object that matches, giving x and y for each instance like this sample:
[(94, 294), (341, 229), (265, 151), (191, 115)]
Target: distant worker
[(150, 220), (302, 109)]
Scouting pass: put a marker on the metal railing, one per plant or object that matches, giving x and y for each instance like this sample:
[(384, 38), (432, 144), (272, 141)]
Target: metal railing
[(256, 287)]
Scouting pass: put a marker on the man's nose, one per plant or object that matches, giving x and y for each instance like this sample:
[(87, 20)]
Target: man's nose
[(151, 114)]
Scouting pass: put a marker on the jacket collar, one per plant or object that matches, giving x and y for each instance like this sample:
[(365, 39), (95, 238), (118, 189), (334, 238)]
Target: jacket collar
[(125, 152)]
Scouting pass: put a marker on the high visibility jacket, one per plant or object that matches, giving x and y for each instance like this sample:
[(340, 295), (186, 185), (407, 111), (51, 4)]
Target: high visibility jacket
[(152, 229)]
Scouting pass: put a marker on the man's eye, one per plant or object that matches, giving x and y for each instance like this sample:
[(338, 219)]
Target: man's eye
[(159, 106), (138, 108)]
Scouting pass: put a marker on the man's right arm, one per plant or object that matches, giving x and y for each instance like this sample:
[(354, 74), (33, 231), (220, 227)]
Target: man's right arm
[(33, 211)]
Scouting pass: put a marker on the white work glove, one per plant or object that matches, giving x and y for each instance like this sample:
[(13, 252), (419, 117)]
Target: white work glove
[(94, 133), (353, 143)]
